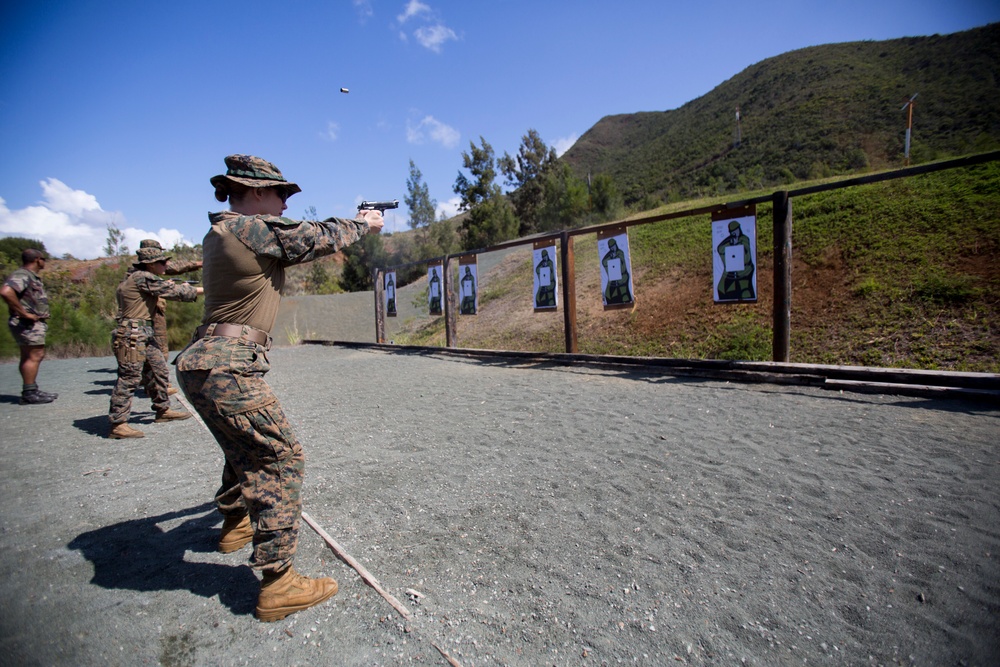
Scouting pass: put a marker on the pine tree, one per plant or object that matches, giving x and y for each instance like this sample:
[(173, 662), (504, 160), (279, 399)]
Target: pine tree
[(480, 163), (524, 174), (418, 200), (362, 257), (114, 245), (491, 218)]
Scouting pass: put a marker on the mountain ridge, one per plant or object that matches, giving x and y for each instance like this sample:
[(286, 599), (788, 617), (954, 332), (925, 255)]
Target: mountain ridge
[(808, 113)]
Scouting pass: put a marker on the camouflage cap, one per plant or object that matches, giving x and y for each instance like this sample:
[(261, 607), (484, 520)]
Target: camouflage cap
[(150, 243), (150, 255), (252, 172)]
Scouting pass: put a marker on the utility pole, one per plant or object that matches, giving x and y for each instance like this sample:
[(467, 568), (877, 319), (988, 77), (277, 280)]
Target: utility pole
[(908, 107), (738, 133)]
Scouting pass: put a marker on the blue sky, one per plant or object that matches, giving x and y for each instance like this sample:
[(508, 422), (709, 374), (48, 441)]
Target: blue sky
[(118, 112)]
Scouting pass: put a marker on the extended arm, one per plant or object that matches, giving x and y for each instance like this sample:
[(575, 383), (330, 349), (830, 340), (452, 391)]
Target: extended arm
[(168, 289), (297, 242), (177, 268)]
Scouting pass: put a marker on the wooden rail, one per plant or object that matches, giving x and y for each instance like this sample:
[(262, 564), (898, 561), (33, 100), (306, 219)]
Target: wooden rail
[(781, 202)]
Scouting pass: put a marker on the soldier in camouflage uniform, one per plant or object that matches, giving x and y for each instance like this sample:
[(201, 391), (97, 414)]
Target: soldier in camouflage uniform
[(222, 371), (29, 309), (174, 268), (135, 344)]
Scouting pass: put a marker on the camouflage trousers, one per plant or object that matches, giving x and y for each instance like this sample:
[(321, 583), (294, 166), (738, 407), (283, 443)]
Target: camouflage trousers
[(223, 378), (160, 334), (135, 347)]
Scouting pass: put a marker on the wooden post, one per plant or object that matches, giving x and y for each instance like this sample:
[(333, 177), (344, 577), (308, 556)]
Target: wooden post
[(782, 276), (569, 291), (449, 305), (378, 275)]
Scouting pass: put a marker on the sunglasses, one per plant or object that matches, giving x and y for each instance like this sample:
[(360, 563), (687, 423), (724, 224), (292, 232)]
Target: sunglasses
[(282, 193)]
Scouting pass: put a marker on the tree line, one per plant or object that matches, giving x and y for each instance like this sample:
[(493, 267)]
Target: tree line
[(82, 297), (542, 195)]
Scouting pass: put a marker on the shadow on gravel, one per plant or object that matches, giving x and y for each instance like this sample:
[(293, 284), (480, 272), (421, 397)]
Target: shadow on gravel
[(13, 400), (139, 555), (103, 383), (94, 425), (100, 426)]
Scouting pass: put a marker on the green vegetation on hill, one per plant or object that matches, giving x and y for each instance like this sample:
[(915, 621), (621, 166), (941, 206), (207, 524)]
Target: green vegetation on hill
[(902, 273), (899, 274), (807, 114), (83, 305)]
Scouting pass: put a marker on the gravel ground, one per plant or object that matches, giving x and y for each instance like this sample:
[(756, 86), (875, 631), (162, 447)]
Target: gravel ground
[(525, 514)]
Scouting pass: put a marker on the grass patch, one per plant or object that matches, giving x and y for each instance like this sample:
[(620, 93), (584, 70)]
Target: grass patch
[(895, 274), (938, 287)]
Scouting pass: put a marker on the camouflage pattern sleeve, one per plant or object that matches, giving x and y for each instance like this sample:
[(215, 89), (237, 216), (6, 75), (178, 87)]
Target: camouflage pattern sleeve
[(29, 291), (166, 289), (295, 241), (18, 281), (175, 268)]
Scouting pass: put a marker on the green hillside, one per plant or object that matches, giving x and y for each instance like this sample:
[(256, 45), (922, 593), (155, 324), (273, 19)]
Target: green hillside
[(899, 274), (902, 273), (809, 113)]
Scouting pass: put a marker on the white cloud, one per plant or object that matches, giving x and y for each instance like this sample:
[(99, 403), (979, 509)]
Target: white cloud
[(443, 134), (60, 197), (364, 9), (332, 131), (413, 8), (448, 209), (168, 238), (564, 144), (71, 221), (432, 33), (434, 37)]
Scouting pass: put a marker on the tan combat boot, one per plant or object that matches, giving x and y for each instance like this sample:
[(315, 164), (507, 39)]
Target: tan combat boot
[(236, 534), (170, 415), (284, 593), (119, 431), (171, 390)]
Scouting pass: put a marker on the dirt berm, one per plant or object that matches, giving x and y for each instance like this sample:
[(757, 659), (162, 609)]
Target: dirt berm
[(524, 514)]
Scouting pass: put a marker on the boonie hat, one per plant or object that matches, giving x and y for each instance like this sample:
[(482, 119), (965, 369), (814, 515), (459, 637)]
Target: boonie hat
[(150, 243), (150, 255), (252, 172)]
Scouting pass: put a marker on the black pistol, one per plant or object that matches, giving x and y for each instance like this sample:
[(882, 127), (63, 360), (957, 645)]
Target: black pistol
[(379, 206)]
